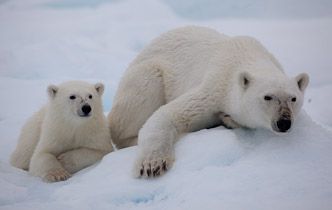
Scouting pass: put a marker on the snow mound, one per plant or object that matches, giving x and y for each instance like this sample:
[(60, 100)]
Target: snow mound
[(214, 169)]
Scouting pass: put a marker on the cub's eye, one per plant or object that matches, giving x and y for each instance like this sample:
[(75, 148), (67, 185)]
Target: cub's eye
[(72, 97), (267, 98), (293, 99), (90, 96)]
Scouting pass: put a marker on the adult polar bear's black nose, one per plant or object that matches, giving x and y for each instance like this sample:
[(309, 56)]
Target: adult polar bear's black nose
[(86, 109), (284, 125)]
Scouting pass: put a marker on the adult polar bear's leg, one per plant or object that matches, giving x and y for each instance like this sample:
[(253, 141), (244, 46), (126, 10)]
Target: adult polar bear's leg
[(140, 93), (191, 111)]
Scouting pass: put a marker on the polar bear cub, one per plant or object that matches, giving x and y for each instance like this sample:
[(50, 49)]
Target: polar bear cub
[(66, 135), (193, 78)]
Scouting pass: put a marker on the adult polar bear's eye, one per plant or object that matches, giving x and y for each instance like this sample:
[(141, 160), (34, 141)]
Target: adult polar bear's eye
[(267, 98), (293, 99), (90, 96), (72, 97)]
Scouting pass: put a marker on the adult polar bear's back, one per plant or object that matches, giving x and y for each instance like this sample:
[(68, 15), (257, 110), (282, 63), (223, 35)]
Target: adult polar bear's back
[(182, 55), (193, 78), (170, 66)]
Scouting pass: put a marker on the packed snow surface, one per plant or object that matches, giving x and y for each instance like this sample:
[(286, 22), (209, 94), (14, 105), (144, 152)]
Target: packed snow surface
[(51, 41)]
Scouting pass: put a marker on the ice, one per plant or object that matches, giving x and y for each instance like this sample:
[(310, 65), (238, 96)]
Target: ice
[(209, 9), (48, 42), (214, 168)]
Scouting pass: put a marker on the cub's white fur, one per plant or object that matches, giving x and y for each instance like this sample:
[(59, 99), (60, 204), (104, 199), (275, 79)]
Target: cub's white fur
[(66, 135), (193, 78)]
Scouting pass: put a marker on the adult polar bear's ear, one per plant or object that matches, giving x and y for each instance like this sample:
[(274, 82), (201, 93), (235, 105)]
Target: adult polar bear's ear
[(99, 88), (245, 80), (52, 90), (302, 81)]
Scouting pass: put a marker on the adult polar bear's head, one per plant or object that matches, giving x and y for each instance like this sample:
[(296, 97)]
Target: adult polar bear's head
[(76, 99), (271, 102)]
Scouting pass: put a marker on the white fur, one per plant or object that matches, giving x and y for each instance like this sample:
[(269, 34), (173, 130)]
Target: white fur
[(57, 141), (193, 78)]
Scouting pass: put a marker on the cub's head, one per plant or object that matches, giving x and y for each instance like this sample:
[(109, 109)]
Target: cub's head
[(272, 103), (76, 99)]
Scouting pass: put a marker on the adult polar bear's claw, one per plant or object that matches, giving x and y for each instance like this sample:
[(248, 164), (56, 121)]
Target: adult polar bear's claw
[(193, 78), (153, 166)]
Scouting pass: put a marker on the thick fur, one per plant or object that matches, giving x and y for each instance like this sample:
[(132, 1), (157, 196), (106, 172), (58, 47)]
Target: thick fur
[(193, 78), (58, 140)]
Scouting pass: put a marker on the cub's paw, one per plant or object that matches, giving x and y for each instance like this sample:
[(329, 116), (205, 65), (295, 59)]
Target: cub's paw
[(67, 161), (150, 166), (56, 175)]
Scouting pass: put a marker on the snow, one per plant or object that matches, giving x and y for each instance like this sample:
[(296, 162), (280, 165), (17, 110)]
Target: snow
[(43, 42)]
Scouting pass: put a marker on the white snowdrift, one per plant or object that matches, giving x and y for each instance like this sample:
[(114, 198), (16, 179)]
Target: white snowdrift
[(214, 169)]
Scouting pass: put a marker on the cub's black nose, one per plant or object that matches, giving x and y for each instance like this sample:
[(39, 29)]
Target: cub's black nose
[(86, 109), (284, 125)]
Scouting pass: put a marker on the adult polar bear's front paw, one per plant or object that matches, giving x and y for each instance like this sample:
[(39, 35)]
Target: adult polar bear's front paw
[(153, 164), (227, 121)]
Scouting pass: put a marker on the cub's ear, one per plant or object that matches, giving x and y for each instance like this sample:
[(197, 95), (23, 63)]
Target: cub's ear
[(245, 79), (302, 81), (99, 88), (52, 91)]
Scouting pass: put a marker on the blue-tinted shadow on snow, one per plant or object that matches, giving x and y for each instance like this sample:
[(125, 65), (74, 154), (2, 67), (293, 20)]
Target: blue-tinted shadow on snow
[(154, 195)]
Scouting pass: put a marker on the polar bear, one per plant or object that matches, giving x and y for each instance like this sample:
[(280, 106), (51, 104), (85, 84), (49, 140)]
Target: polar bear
[(193, 78), (66, 135)]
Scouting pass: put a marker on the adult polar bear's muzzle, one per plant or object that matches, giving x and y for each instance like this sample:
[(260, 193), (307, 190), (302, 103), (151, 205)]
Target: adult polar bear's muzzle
[(284, 125), (284, 122)]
